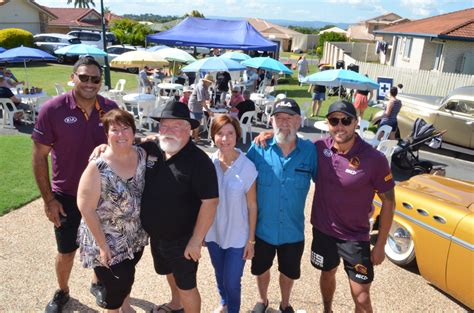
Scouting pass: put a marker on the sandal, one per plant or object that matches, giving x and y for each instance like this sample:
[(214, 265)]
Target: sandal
[(164, 307)]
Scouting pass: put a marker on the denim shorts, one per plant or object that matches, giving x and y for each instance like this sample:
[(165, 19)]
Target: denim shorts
[(196, 115), (320, 96)]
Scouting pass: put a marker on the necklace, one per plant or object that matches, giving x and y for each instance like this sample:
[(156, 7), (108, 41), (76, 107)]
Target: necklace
[(228, 164)]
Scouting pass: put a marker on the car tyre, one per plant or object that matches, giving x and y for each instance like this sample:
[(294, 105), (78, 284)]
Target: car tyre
[(60, 59), (400, 247), (133, 70)]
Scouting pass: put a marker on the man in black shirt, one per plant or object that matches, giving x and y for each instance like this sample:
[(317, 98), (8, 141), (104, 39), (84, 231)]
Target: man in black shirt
[(224, 84), (178, 205), (6, 93), (245, 106)]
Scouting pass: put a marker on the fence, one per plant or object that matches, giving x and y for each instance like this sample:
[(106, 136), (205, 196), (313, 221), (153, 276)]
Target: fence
[(414, 81), (418, 81)]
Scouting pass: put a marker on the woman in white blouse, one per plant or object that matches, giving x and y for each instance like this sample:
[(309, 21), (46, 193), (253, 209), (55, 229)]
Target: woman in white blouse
[(231, 238)]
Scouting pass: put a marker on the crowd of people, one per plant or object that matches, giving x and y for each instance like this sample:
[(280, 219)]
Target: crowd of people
[(123, 193)]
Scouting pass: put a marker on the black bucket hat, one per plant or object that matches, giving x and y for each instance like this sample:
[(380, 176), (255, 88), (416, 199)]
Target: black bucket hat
[(179, 111)]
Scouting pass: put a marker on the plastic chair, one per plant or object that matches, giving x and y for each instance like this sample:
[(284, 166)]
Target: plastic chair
[(8, 113), (247, 126), (305, 113), (267, 113), (363, 126), (119, 88), (388, 147), (145, 110), (385, 129), (59, 89)]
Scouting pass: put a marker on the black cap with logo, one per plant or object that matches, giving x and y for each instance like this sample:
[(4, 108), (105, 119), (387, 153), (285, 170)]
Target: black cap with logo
[(288, 106)]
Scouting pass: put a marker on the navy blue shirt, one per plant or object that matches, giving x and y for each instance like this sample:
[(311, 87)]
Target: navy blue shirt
[(282, 187)]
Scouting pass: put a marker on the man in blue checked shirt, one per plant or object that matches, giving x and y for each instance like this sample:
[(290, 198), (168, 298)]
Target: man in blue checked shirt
[(285, 167)]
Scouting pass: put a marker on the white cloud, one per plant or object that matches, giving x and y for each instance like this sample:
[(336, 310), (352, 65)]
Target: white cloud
[(421, 8)]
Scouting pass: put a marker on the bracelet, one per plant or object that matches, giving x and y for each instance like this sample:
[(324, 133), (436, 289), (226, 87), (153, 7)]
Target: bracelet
[(252, 242)]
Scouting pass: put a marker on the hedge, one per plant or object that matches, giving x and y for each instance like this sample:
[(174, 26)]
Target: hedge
[(15, 37)]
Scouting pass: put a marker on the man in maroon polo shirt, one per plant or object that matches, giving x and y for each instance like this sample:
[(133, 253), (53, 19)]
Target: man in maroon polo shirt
[(69, 127), (350, 172)]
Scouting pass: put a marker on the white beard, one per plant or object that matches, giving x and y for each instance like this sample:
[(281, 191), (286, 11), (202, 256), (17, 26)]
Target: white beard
[(170, 144), (282, 138)]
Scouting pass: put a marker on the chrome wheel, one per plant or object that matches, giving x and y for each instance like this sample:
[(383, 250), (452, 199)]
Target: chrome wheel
[(400, 248)]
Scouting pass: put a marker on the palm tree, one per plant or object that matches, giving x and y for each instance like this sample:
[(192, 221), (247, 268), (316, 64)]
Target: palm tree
[(82, 3)]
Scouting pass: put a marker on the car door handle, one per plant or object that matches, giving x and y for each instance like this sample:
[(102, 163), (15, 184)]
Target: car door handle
[(439, 219), (422, 212), (407, 205)]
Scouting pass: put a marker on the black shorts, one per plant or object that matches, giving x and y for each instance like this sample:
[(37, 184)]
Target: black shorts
[(117, 281), (66, 234), (168, 257), (289, 258), (326, 252)]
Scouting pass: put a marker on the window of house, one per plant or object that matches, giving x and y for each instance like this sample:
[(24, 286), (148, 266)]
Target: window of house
[(407, 48), (438, 53)]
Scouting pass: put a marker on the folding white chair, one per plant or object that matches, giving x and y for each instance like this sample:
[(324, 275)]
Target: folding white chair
[(382, 134), (388, 147), (267, 113), (59, 89), (247, 125), (9, 110)]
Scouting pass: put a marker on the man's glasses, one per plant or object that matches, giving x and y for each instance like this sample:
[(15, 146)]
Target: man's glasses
[(87, 78), (346, 121)]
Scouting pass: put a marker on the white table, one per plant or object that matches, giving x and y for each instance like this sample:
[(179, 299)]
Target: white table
[(322, 126), (169, 89), (32, 100), (138, 97)]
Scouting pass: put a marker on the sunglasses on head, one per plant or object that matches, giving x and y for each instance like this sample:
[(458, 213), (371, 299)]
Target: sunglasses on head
[(86, 78), (346, 121)]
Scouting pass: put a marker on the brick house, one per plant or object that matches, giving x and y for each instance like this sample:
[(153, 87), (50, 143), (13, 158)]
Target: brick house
[(70, 18), (442, 43)]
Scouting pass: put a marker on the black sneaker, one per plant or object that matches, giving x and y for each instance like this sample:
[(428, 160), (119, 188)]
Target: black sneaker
[(288, 309), (60, 298), (98, 291)]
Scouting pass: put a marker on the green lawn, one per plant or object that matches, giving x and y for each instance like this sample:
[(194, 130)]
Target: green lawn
[(17, 185), (46, 75)]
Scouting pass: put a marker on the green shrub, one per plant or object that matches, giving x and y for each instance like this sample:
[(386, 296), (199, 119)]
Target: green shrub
[(331, 36), (15, 37)]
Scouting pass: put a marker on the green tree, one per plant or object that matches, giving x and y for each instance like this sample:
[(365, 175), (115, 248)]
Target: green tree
[(304, 30), (327, 27), (194, 13), (130, 32), (82, 3), (328, 37)]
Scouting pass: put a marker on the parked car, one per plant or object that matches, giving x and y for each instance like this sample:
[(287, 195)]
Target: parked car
[(93, 37), (433, 227), (454, 113), (50, 42)]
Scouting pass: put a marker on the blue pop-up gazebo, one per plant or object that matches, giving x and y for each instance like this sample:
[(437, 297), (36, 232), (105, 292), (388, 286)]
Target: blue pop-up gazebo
[(214, 33)]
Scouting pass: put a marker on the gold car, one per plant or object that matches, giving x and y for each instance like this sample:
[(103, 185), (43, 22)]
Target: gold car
[(454, 113), (433, 227)]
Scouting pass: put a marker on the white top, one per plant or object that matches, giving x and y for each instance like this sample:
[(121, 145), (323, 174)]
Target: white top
[(230, 228)]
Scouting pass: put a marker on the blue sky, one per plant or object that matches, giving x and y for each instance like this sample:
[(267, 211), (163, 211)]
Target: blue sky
[(343, 11)]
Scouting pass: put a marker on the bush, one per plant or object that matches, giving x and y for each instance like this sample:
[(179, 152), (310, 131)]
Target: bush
[(331, 36), (15, 37)]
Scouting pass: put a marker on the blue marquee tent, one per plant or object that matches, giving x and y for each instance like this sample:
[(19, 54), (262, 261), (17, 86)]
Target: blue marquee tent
[(214, 33)]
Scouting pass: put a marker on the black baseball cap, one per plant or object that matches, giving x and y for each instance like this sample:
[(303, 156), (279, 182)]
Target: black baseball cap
[(342, 106), (288, 106)]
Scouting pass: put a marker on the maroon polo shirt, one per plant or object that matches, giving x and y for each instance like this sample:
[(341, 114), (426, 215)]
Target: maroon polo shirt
[(345, 188), (72, 135)]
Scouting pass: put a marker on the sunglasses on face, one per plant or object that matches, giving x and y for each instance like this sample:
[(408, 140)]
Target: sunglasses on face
[(346, 121), (87, 78)]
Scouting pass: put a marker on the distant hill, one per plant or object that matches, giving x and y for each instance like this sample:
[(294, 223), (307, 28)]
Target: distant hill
[(313, 24)]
